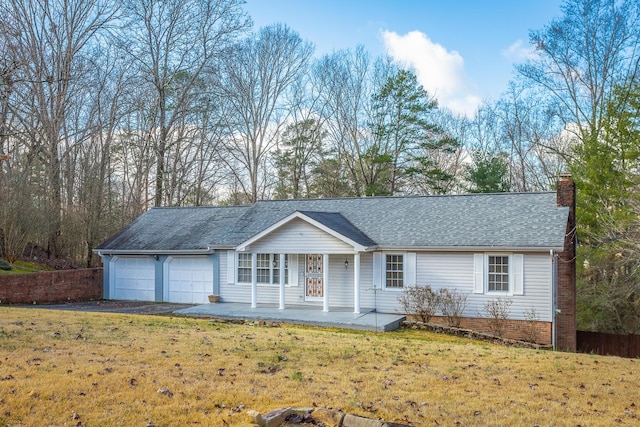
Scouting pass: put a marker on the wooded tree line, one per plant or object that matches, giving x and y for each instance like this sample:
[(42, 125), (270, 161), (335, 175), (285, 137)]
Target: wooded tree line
[(108, 108)]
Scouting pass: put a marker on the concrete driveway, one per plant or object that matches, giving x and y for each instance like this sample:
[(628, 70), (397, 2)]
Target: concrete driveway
[(126, 307)]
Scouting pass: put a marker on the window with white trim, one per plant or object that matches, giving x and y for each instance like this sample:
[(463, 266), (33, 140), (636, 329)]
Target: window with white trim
[(394, 271), (244, 268), (267, 268), (498, 273), (275, 272), (263, 268)]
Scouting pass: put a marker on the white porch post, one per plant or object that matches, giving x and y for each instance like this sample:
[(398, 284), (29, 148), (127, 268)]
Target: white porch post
[(254, 280), (281, 306), (325, 282), (356, 283)]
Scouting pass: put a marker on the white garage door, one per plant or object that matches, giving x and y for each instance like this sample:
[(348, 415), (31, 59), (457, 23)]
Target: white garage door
[(134, 279), (189, 280)]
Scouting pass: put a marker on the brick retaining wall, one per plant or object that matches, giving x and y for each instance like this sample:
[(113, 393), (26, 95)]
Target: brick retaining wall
[(51, 286), (525, 330)]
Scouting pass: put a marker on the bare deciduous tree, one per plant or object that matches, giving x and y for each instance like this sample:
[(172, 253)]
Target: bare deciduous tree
[(346, 79), (174, 43), (48, 40), (582, 56), (256, 78)]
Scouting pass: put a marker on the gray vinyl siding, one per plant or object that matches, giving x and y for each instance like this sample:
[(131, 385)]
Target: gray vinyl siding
[(367, 299), (537, 292), (223, 269), (383, 301), (300, 237), (455, 271), (445, 270), (267, 294), (230, 292), (340, 281), (452, 270)]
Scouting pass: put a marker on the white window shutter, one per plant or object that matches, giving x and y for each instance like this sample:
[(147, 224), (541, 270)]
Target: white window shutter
[(478, 273), (231, 266), (410, 269), (377, 270), (293, 269), (518, 274)]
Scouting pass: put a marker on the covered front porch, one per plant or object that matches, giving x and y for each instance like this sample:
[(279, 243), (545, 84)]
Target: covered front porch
[(324, 281), (344, 318), (326, 251)]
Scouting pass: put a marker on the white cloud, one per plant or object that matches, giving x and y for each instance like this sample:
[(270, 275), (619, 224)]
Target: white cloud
[(439, 71), (518, 52)]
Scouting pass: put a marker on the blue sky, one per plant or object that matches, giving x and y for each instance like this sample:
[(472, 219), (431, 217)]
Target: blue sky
[(462, 51)]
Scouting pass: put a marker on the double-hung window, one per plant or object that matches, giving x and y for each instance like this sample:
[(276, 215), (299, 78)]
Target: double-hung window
[(244, 268), (498, 273), (394, 271), (263, 268), (267, 268), (276, 269)]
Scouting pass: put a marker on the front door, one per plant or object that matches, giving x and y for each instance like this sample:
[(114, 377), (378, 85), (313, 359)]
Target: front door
[(314, 286)]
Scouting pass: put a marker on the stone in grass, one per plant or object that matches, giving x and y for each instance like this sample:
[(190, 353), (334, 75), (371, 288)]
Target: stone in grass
[(165, 391), (299, 415), (276, 417), (328, 417), (356, 421), (256, 417)]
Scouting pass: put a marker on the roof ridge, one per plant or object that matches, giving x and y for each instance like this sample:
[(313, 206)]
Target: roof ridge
[(413, 196), (355, 198), (200, 207)]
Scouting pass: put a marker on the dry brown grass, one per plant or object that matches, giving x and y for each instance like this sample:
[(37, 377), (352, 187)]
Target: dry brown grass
[(108, 369)]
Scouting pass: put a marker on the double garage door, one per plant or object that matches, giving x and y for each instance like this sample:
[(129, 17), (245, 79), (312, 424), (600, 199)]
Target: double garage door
[(185, 279)]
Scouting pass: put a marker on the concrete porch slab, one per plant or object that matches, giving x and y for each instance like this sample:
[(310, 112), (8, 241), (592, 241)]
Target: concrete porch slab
[(367, 319)]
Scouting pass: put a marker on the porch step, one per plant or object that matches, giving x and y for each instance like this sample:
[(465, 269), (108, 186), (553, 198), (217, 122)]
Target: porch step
[(367, 319)]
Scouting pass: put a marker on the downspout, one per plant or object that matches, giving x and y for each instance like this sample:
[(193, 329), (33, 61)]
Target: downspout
[(554, 295), (106, 274)]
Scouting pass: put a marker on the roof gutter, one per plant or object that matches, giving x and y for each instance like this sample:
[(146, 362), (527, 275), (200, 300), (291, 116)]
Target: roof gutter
[(545, 249), (104, 252), (212, 249)]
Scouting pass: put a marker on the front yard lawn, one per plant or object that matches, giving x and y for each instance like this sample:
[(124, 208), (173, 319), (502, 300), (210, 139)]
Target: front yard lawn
[(95, 369)]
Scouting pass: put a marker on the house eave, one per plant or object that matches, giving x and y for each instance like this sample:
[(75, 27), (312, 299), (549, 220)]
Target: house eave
[(528, 249), (107, 252)]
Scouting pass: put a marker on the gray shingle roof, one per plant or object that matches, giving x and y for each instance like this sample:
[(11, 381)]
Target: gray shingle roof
[(340, 224), (166, 229), (502, 220)]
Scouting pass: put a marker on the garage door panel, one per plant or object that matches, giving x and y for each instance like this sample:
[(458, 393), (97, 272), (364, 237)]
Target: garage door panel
[(190, 280), (134, 279)]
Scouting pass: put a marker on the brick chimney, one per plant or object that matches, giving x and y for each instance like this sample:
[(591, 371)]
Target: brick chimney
[(565, 317)]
